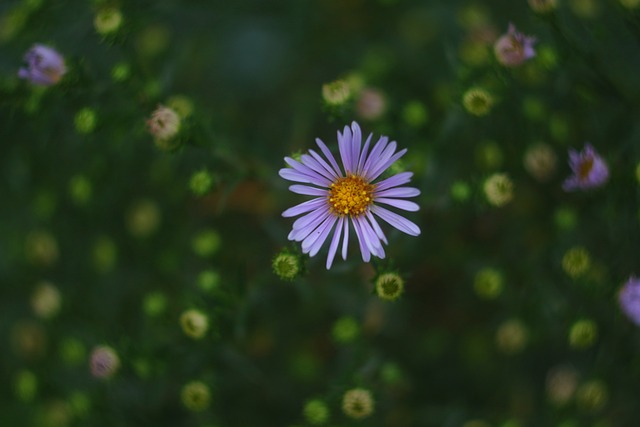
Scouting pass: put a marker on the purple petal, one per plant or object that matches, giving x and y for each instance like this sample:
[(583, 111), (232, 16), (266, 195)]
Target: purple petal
[(344, 145), (364, 250), (370, 238), (405, 205), (302, 233), (384, 156), (321, 239), (316, 235), (345, 242), (329, 156), (313, 164), (316, 216), (363, 155), (375, 153), (396, 220), (382, 167), (307, 206), (308, 191), (355, 146), (397, 192), (334, 242), (299, 167), (394, 181), (292, 175), (324, 164), (376, 227)]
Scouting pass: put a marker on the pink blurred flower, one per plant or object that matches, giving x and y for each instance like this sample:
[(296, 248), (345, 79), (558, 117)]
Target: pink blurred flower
[(514, 48)]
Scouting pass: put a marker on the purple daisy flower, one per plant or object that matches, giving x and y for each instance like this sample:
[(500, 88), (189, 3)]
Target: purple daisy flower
[(513, 48), (629, 299), (45, 66), (589, 170), (349, 197)]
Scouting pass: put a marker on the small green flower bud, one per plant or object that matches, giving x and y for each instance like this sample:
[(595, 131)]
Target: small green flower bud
[(154, 304), (200, 182), (477, 101), (345, 330), (105, 254), (489, 155), (576, 262), (26, 385), (120, 72), (592, 396), (512, 336), (41, 248), (630, 4), (488, 283), (547, 57), (72, 351), (540, 161), (559, 128), (358, 403), (85, 120), (336, 93), (533, 108), (390, 373), (107, 21), (316, 412), (195, 323), (80, 404), (460, 191), (286, 266), (565, 218), (543, 6), (389, 286), (206, 243), (80, 189), (498, 189), (561, 384), (415, 114), (196, 396), (209, 280), (583, 334), (181, 105), (143, 218), (46, 300), (104, 362)]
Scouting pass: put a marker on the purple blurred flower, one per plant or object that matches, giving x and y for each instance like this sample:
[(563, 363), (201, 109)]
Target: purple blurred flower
[(349, 197), (45, 66), (589, 170), (104, 362), (629, 299), (513, 48)]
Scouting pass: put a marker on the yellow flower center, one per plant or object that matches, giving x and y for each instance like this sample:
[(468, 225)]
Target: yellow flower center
[(350, 195), (585, 168)]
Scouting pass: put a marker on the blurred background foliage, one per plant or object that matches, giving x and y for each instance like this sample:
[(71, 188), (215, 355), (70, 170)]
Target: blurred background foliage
[(162, 253)]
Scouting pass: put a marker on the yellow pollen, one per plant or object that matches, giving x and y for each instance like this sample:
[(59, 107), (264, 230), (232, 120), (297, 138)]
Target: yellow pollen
[(350, 196)]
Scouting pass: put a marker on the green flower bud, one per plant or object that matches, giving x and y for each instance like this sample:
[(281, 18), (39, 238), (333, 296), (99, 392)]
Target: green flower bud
[(26, 385), (85, 120), (415, 114), (477, 101), (498, 189), (72, 351), (316, 412), (143, 218), (41, 248), (206, 243), (357, 403), (565, 218), (201, 182), (196, 396), (154, 304), (488, 283), (583, 334), (389, 286), (576, 262), (286, 266), (46, 300), (120, 72), (336, 93), (209, 280), (80, 189), (195, 323), (512, 336), (345, 330), (107, 21), (460, 191), (592, 396)]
